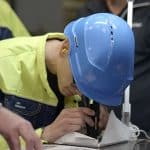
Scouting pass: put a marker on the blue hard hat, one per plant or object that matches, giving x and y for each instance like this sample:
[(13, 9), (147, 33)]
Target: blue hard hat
[(101, 56)]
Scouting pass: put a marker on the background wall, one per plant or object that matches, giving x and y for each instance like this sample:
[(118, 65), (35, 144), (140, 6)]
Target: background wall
[(41, 16)]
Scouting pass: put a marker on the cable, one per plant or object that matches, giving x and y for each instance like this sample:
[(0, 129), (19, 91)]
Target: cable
[(145, 134), (135, 132)]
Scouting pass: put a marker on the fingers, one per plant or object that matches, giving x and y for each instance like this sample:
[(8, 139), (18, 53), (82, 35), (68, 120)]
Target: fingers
[(69, 120), (103, 123), (80, 116), (29, 136), (33, 144), (103, 118), (74, 127), (89, 121), (37, 144), (73, 124), (13, 142), (77, 112), (87, 111), (13, 126), (82, 121)]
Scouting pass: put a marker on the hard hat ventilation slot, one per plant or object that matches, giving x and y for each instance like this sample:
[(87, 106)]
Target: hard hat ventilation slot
[(76, 41), (111, 35)]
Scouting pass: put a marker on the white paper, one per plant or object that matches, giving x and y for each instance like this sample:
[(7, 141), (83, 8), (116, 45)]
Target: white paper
[(63, 147), (115, 132), (78, 139)]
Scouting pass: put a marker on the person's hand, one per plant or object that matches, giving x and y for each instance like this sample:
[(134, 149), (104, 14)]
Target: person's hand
[(12, 126), (69, 120), (103, 117)]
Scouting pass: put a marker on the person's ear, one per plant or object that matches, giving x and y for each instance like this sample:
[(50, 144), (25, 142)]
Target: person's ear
[(65, 48)]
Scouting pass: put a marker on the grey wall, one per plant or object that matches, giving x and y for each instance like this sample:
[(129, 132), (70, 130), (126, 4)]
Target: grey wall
[(41, 16)]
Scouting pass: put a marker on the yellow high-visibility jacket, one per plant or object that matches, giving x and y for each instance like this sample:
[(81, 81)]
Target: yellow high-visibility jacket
[(22, 68), (23, 71)]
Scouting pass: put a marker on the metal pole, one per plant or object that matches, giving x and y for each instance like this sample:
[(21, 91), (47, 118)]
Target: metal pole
[(126, 112)]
